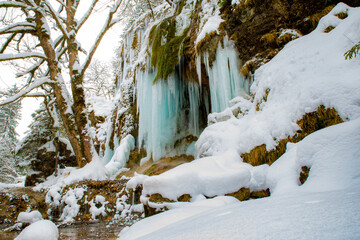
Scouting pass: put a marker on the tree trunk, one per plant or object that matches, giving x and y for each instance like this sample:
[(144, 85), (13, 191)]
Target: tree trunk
[(77, 82), (60, 92)]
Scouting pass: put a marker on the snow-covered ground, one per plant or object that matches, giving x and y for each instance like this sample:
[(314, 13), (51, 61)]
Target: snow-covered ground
[(309, 72), (324, 207)]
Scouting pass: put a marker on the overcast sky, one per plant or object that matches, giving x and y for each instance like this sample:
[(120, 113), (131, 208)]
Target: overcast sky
[(86, 36)]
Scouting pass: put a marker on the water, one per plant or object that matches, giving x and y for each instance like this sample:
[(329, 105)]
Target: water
[(81, 231)]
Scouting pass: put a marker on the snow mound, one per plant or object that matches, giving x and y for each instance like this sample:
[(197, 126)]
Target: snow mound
[(40, 230), (29, 217), (209, 176)]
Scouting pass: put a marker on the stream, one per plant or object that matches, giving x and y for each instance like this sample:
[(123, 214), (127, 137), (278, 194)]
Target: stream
[(80, 231)]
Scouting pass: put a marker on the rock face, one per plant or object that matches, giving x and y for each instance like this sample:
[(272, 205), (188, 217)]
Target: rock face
[(257, 27), (46, 160), (14, 201)]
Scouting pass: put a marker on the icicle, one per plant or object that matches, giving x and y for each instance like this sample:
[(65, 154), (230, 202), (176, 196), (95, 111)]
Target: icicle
[(225, 80), (198, 68), (162, 109), (194, 98)]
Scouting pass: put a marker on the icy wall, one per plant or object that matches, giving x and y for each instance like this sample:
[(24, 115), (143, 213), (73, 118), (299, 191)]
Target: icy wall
[(171, 110)]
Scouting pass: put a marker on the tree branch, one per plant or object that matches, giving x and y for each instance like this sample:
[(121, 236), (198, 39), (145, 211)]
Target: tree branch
[(109, 23), (7, 4), (6, 44), (32, 69), (18, 27), (86, 15), (25, 91), (6, 57), (57, 20)]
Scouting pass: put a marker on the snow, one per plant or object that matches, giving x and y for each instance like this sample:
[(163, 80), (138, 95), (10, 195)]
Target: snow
[(29, 217), (322, 208), (97, 211), (70, 202), (40, 230), (212, 175), (175, 216), (309, 72), (211, 25), (100, 105), (121, 156)]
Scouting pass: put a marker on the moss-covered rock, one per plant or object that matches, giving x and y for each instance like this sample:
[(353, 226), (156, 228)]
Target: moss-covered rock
[(165, 47), (254, 26), (16, 200), (242, 194), (310, 122)]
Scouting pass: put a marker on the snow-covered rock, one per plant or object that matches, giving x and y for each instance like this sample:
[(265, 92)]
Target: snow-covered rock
[(29, 217), (40, 230)]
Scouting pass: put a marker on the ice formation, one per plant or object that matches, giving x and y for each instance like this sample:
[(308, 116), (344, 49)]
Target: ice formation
[(169, 109), (226, 81)]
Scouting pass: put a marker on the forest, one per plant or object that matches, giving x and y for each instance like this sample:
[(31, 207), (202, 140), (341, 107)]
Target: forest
[(211, 119)]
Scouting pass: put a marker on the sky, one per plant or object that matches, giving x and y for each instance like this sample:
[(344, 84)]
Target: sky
[(105, 52)]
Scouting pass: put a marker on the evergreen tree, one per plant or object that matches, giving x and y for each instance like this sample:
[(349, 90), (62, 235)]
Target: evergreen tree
[(9, 117), (40, 132)]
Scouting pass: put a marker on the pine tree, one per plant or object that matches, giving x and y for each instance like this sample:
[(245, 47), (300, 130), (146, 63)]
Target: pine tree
[(9, 117), (40, 132)]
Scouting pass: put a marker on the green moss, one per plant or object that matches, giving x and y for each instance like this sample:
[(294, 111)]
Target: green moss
[(180, 6), (165, 46)]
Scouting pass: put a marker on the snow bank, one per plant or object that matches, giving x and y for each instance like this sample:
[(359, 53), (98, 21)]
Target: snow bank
[(322, 208), (308, 72), (40, 230), (209, 176), (95, 170), (333, 154), (173, 217)]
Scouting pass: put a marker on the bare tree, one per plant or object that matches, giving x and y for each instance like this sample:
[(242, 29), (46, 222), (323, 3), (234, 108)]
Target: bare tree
[(98, 79), (52, 28)]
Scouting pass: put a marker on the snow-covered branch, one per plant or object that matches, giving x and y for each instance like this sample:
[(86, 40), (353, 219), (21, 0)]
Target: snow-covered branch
[(8, 41), (20, 27), (6, 57), (26, 90), (7, 4), (86, 15), (57, 19), (108, 24), (32, 69)]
